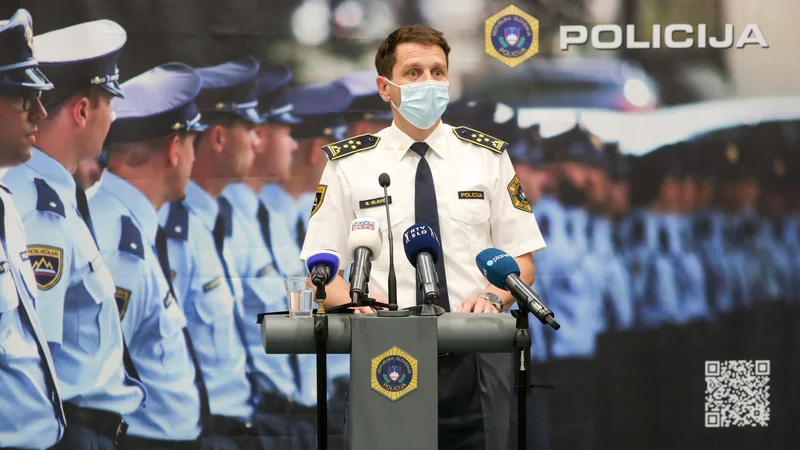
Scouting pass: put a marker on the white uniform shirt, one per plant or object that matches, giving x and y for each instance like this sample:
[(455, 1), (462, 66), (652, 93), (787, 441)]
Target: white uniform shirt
[(479, 201)]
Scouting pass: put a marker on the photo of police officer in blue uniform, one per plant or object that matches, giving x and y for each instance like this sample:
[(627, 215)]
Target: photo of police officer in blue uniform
[(206, 281), (31, 412), (75, 285), (150, 156)]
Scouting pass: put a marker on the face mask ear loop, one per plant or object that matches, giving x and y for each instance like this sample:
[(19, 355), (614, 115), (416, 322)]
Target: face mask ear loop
[(398, 87)]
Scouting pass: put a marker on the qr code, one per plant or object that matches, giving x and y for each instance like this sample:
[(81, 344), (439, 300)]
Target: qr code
[(737, 393)]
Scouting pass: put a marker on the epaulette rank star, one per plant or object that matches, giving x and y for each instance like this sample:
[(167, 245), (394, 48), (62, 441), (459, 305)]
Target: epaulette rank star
[(350, 146), (467, 134)]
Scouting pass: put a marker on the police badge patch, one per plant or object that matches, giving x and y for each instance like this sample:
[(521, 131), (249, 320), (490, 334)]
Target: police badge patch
[(319, 198), (511, 36), (122, 296), (394, 373), (47, 265), (518, 198)]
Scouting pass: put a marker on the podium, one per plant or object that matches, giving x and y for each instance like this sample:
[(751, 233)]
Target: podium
[(393, 366)]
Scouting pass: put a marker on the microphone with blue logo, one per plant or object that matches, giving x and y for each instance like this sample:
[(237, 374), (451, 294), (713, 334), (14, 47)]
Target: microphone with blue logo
[(422, 249), (502, 271), (323, 267)]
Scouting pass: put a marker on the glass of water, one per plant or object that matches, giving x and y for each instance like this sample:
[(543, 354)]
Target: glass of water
[(301, 296)]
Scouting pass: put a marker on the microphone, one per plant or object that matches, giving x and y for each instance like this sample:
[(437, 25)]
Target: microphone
[(502, 271), (323, 267), (422, 250), (385, 181), (365, 243)]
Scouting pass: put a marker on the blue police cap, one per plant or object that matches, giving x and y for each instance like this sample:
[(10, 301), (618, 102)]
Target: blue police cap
[(367, 103), (270, 86), (482, 115), (158, 102), (321, 108), (528, 148), (230, 88), (575, 145), (83, 55), (18, 64)]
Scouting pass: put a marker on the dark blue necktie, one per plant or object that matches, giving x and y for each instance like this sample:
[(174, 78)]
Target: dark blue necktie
[(425, 210)]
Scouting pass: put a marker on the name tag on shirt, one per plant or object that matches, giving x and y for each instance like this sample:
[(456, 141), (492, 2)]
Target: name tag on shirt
[(212, 284), (373, 202), (464, 195)]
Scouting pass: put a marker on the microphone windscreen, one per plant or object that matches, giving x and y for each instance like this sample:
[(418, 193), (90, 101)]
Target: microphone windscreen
[(329, 258), (365, 232), (384, 180), (420, 238), (496, 265)]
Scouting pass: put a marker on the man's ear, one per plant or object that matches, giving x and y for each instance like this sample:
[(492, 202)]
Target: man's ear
[(80, 110), (217, 135), (316, 154), (173, 153), (383, 88)]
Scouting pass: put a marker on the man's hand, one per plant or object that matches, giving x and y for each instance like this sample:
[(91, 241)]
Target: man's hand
[(368, 309), (477, 305)]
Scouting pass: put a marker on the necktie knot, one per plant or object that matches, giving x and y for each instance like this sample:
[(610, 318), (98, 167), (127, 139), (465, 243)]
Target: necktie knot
[(420, 148)]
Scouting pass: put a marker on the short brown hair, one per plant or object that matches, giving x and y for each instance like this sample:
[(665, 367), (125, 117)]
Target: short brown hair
[(386, 57)]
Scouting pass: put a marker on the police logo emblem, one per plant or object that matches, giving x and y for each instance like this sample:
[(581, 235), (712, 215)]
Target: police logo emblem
[(394, 373), (518, 198), (47, 265), (318, 198), (122, 296), (512, 36)]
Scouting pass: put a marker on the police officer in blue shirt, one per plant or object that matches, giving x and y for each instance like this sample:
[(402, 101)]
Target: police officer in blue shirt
[(368, 113), (277, 378), (150, 158), (76, 287), (206, 281), (31, 414)]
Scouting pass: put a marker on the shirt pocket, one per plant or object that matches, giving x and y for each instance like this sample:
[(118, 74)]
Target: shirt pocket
[(93, 301), (214, 307), (470, 231)]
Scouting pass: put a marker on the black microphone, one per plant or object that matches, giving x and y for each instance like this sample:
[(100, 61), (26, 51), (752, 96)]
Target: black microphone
[(385, 181), (364, 242)]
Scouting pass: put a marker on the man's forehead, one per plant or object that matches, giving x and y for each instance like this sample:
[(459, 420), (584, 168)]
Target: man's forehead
[(415, 53)]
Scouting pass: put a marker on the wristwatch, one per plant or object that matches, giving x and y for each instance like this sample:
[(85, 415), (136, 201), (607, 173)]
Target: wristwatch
[(493, 299)]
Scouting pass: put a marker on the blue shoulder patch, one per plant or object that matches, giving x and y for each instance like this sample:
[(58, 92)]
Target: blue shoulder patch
[(130, 240), (177, 226), (47, 199)]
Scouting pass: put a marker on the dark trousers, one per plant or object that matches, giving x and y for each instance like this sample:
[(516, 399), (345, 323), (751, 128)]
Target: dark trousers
[(284, 424), (136, 443), (79, 437)]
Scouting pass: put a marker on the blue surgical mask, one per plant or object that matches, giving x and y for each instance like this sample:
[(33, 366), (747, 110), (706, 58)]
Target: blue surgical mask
[(423, 103)]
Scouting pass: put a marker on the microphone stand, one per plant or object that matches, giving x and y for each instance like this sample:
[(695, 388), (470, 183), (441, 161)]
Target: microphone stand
[(320, 339), (522, 360)]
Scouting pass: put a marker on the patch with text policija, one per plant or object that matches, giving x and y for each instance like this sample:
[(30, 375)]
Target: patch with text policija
[(318, 198), (349, 146), (47, 265), (480, 139), (518, 198)]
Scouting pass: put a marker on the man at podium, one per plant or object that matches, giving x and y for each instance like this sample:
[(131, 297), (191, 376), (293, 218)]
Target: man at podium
[(461, 183)]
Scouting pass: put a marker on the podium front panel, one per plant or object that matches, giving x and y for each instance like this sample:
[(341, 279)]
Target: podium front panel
[(393, 383)]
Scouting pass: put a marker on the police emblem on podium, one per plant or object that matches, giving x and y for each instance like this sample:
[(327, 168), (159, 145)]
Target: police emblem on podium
[(394, 373), (512, 36)]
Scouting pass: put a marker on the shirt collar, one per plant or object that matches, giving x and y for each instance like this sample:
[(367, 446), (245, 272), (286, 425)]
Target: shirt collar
[(242, 198), (141, 209), (202, 204), (401, 142), (54, 173), (275, 197)]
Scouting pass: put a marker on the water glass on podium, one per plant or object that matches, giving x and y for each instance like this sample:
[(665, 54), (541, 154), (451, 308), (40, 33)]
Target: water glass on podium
[(301, 296)]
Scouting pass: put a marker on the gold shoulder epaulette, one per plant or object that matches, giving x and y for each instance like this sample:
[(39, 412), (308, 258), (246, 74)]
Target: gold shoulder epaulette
[(352, 145), (467, 134)]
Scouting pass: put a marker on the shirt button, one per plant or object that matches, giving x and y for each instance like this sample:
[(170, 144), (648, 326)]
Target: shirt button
[(52, 204), (178, 229), (133, 245)]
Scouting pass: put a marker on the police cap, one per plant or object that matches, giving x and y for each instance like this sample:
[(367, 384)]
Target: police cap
[(321, 108), (230, 89), (18, 64), (158, 102)]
